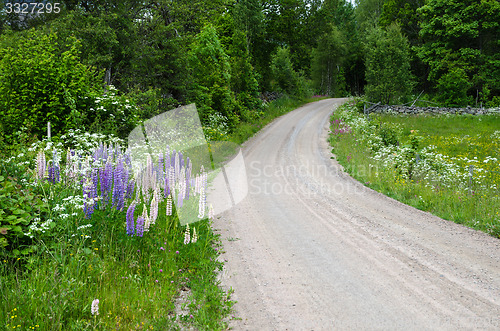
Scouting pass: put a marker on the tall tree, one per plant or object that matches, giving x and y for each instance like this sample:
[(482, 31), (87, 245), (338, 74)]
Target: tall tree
[(243, 77), (211, 73), (388, 73), (327, 61)]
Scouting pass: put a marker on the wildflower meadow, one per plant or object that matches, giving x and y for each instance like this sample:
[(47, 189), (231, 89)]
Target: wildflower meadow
[(448, 165), (91, 242)]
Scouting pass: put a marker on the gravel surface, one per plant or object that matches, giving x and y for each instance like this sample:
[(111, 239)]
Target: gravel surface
[(309, 248)]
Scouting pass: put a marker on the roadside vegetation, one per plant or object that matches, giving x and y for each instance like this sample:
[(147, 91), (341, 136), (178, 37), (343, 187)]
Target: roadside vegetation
[(448, 165)]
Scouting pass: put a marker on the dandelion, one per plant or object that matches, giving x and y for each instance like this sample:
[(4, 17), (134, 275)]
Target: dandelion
[(187, 237), (94, 309)]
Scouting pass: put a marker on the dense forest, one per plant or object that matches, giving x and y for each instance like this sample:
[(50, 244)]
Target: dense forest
[(105, 65)]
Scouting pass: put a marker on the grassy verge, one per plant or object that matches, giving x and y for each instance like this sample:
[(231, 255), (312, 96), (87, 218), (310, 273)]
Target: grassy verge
[(447, 165)]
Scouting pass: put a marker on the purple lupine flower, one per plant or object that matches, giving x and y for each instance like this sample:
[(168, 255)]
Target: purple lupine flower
[(139, 229), (118, 187), (51, 172), (166, 189), (95, 181), (56, 169), (88, 206), (106, 181), (130, 189), (130, 219), (171, 180)]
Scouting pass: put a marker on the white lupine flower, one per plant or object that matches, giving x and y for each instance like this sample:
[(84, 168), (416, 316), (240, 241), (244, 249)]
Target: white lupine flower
[(147, 220), (169, 205), (187, 237), (202, 204), (195, 236), (94, 309)]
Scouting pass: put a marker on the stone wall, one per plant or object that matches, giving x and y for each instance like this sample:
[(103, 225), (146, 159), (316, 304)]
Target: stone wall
[(433, 110)]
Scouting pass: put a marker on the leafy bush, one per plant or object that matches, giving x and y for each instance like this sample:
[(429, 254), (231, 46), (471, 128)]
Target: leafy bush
[(51, 86), (388, 75), (453, 87), (112, 113), (285, 78)]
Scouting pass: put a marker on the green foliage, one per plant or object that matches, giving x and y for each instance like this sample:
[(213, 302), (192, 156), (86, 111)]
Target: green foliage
[(211, 72), (462, 37), (19, 204), (243, 78), (42, 80), (112, 113), (285, 78), (388, 75), (327, 60), (452, 88), (388, 136), (404, 13)]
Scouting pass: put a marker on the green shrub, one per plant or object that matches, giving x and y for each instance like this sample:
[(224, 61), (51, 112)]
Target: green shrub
[(453, 87), (42, 80)]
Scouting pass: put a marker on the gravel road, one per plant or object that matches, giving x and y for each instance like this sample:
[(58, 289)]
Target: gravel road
[(309, 248)]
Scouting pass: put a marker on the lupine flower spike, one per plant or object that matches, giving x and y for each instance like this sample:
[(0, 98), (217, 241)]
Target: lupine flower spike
[(147, 219), (169, 205), (195, 236), (154, 208), (130, 219), (41, 165), (187, 237), (201, 204)]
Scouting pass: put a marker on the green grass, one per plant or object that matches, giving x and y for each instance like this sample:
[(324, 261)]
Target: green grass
[(443, 187)]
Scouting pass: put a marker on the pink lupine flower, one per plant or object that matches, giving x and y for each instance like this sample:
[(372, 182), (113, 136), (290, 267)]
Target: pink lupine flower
[(41, 164)]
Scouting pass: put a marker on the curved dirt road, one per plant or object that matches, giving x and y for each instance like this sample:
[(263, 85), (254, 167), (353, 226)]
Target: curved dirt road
[(309, 248)]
